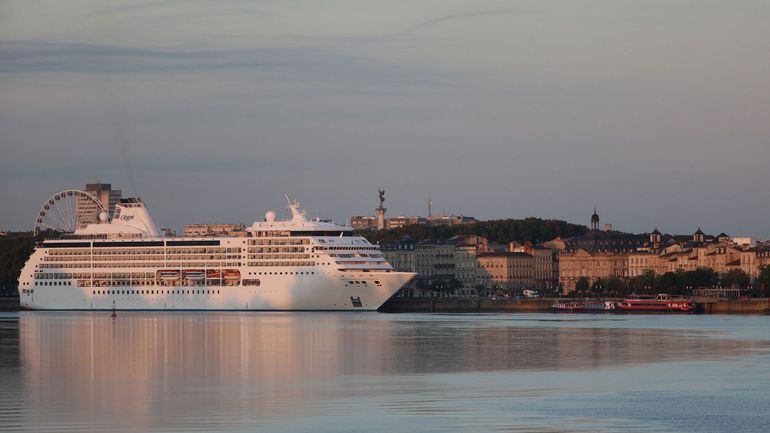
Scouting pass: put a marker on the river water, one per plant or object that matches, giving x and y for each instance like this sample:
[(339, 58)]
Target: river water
[(351, 372)]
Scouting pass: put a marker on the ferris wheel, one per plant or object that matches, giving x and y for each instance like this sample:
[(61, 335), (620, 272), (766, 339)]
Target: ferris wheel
[(68, 210)]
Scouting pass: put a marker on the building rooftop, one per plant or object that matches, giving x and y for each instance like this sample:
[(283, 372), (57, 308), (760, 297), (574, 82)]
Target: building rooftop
[(503, 254)]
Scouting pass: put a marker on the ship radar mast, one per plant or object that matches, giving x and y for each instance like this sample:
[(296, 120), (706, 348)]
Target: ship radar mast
[(297, 214)]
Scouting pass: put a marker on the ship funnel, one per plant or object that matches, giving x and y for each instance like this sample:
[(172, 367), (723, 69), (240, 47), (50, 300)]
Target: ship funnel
[(133, 213)]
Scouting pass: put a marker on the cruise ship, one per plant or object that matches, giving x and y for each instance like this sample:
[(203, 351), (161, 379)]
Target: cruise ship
[(125, 263)]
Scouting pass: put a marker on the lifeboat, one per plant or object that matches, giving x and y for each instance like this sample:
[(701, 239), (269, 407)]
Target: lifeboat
[(168, 275), (194, 275), (232, 274), (213, 274)]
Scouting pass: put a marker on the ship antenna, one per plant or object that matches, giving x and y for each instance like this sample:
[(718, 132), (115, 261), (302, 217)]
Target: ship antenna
[(294, 207)]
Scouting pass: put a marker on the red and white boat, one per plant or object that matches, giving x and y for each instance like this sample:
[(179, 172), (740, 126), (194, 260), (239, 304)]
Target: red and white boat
[(661, 303)]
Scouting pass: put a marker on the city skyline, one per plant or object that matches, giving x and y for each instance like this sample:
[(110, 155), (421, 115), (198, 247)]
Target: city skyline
[(654, 112), (391, 221)]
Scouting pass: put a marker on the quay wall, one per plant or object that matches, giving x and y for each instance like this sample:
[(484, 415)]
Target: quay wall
[(488, 305), (732, 306), (465, 305)]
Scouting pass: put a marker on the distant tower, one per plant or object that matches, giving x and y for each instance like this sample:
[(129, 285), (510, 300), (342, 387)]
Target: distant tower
[(595, 221), (430, 206), (381, 211), (699, 236), (655, 236), (595, 230)]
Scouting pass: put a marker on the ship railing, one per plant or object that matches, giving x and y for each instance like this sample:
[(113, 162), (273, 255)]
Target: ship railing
[(74, 236), (101, 236)]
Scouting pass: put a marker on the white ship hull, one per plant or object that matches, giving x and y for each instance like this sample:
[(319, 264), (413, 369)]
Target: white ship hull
[(273, 265), (281, 294)]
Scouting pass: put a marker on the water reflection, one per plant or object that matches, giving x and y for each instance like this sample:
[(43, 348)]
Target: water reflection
[(235, 371)]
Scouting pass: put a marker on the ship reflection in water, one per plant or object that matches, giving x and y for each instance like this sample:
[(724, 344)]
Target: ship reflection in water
[(377, 372)]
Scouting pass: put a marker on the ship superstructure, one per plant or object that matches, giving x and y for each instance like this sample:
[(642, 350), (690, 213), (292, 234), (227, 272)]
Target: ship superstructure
[(125, 263)]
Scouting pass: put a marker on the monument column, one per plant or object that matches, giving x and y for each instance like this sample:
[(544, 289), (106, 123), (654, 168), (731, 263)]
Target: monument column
[(381, 211)]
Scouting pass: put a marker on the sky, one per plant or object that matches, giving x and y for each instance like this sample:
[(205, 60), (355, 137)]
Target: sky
[(657, 112)]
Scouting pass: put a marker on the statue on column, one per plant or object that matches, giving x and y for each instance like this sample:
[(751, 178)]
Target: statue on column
[(381, 211), (382, 196)]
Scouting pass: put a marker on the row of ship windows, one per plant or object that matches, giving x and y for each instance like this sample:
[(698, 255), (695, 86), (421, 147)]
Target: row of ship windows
[(149, 281), (107, 283), (81, 252), (87, 283), (288, 253), (277, 256), (270, 234), (109, 263), (279, 241), (113, 275), (283, 273), (277, 250), (204, 257), (346, 256), (244, 282), (62, 275), (192, 264), (155, 292), (131, 258), (141, 251), (359, 262), (162, 283), (142, 280), (139, 265), (140, 275), (348, 247)]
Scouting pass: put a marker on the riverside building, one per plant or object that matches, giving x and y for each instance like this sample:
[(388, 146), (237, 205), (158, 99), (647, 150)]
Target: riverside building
[(507, 271), (604, 255)]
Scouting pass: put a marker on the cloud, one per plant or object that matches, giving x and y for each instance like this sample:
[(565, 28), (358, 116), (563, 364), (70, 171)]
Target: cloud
[(242, 6), (411, 30), (456, 17), (33, 56), (353, 72)]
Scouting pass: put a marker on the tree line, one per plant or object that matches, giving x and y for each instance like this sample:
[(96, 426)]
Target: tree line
[(680, 282), (15, 248), (496, 231)]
